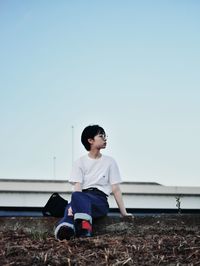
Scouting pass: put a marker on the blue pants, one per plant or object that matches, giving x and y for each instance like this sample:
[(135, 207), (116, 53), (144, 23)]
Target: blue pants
[(85, 206)]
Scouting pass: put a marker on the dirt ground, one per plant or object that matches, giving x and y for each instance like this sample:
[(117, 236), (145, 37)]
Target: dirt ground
[(157, 241)]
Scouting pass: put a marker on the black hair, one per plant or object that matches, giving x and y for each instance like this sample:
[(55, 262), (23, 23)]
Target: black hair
[(89, 133)]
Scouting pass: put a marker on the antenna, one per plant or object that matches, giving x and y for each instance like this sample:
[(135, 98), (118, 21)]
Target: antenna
[(54, 167), (72, 144)]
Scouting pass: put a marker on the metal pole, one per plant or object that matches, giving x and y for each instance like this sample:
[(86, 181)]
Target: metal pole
[(72, 145), (54, 166)]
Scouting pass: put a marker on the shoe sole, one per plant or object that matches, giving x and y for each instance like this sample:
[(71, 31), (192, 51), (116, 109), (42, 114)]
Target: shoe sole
[(63, 232)]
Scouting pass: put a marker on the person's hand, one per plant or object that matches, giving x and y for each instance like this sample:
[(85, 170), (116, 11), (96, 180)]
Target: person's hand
[(127, 215)]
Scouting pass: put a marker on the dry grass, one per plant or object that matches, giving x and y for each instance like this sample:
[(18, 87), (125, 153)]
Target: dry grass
[(157, 246)]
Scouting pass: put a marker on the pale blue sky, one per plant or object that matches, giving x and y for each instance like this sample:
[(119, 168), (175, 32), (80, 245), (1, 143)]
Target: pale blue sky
[(130, 66)]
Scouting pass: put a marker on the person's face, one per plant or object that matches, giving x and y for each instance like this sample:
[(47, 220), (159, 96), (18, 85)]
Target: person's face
[(99, 141)]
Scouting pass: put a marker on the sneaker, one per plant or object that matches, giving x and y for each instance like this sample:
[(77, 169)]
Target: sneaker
[(83, 228), (64, 231)]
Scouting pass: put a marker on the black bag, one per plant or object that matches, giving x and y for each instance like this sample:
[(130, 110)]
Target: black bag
[(55, 206)]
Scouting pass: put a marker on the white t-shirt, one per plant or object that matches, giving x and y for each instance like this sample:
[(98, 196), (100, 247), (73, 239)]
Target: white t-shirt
[(99, 173)]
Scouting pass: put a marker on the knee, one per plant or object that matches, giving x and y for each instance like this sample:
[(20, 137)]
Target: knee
[(76, 195)]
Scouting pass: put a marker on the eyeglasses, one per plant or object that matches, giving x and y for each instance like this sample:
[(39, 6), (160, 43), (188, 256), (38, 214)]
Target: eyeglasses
[(105, 137)]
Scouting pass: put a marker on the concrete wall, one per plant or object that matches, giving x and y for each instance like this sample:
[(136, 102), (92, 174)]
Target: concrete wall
[(35, 193)]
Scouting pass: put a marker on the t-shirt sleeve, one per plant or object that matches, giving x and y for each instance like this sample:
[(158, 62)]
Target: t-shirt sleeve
[(76, 174), (114, 173)]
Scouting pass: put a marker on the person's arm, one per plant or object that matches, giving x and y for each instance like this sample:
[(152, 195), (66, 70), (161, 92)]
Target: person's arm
[(119, 200), (77, 186)]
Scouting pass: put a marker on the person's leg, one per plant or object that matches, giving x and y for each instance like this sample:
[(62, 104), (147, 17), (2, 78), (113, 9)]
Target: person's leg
[(77, 218), (65, 227), (87, 205), (81, 206), (100, 205), (79, 213)]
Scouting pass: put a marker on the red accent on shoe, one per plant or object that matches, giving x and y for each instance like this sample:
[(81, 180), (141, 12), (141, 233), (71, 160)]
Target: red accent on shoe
[(86, 225)]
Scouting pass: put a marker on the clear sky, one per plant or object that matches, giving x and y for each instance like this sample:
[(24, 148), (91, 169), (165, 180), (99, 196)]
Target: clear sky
[(132, 67)]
